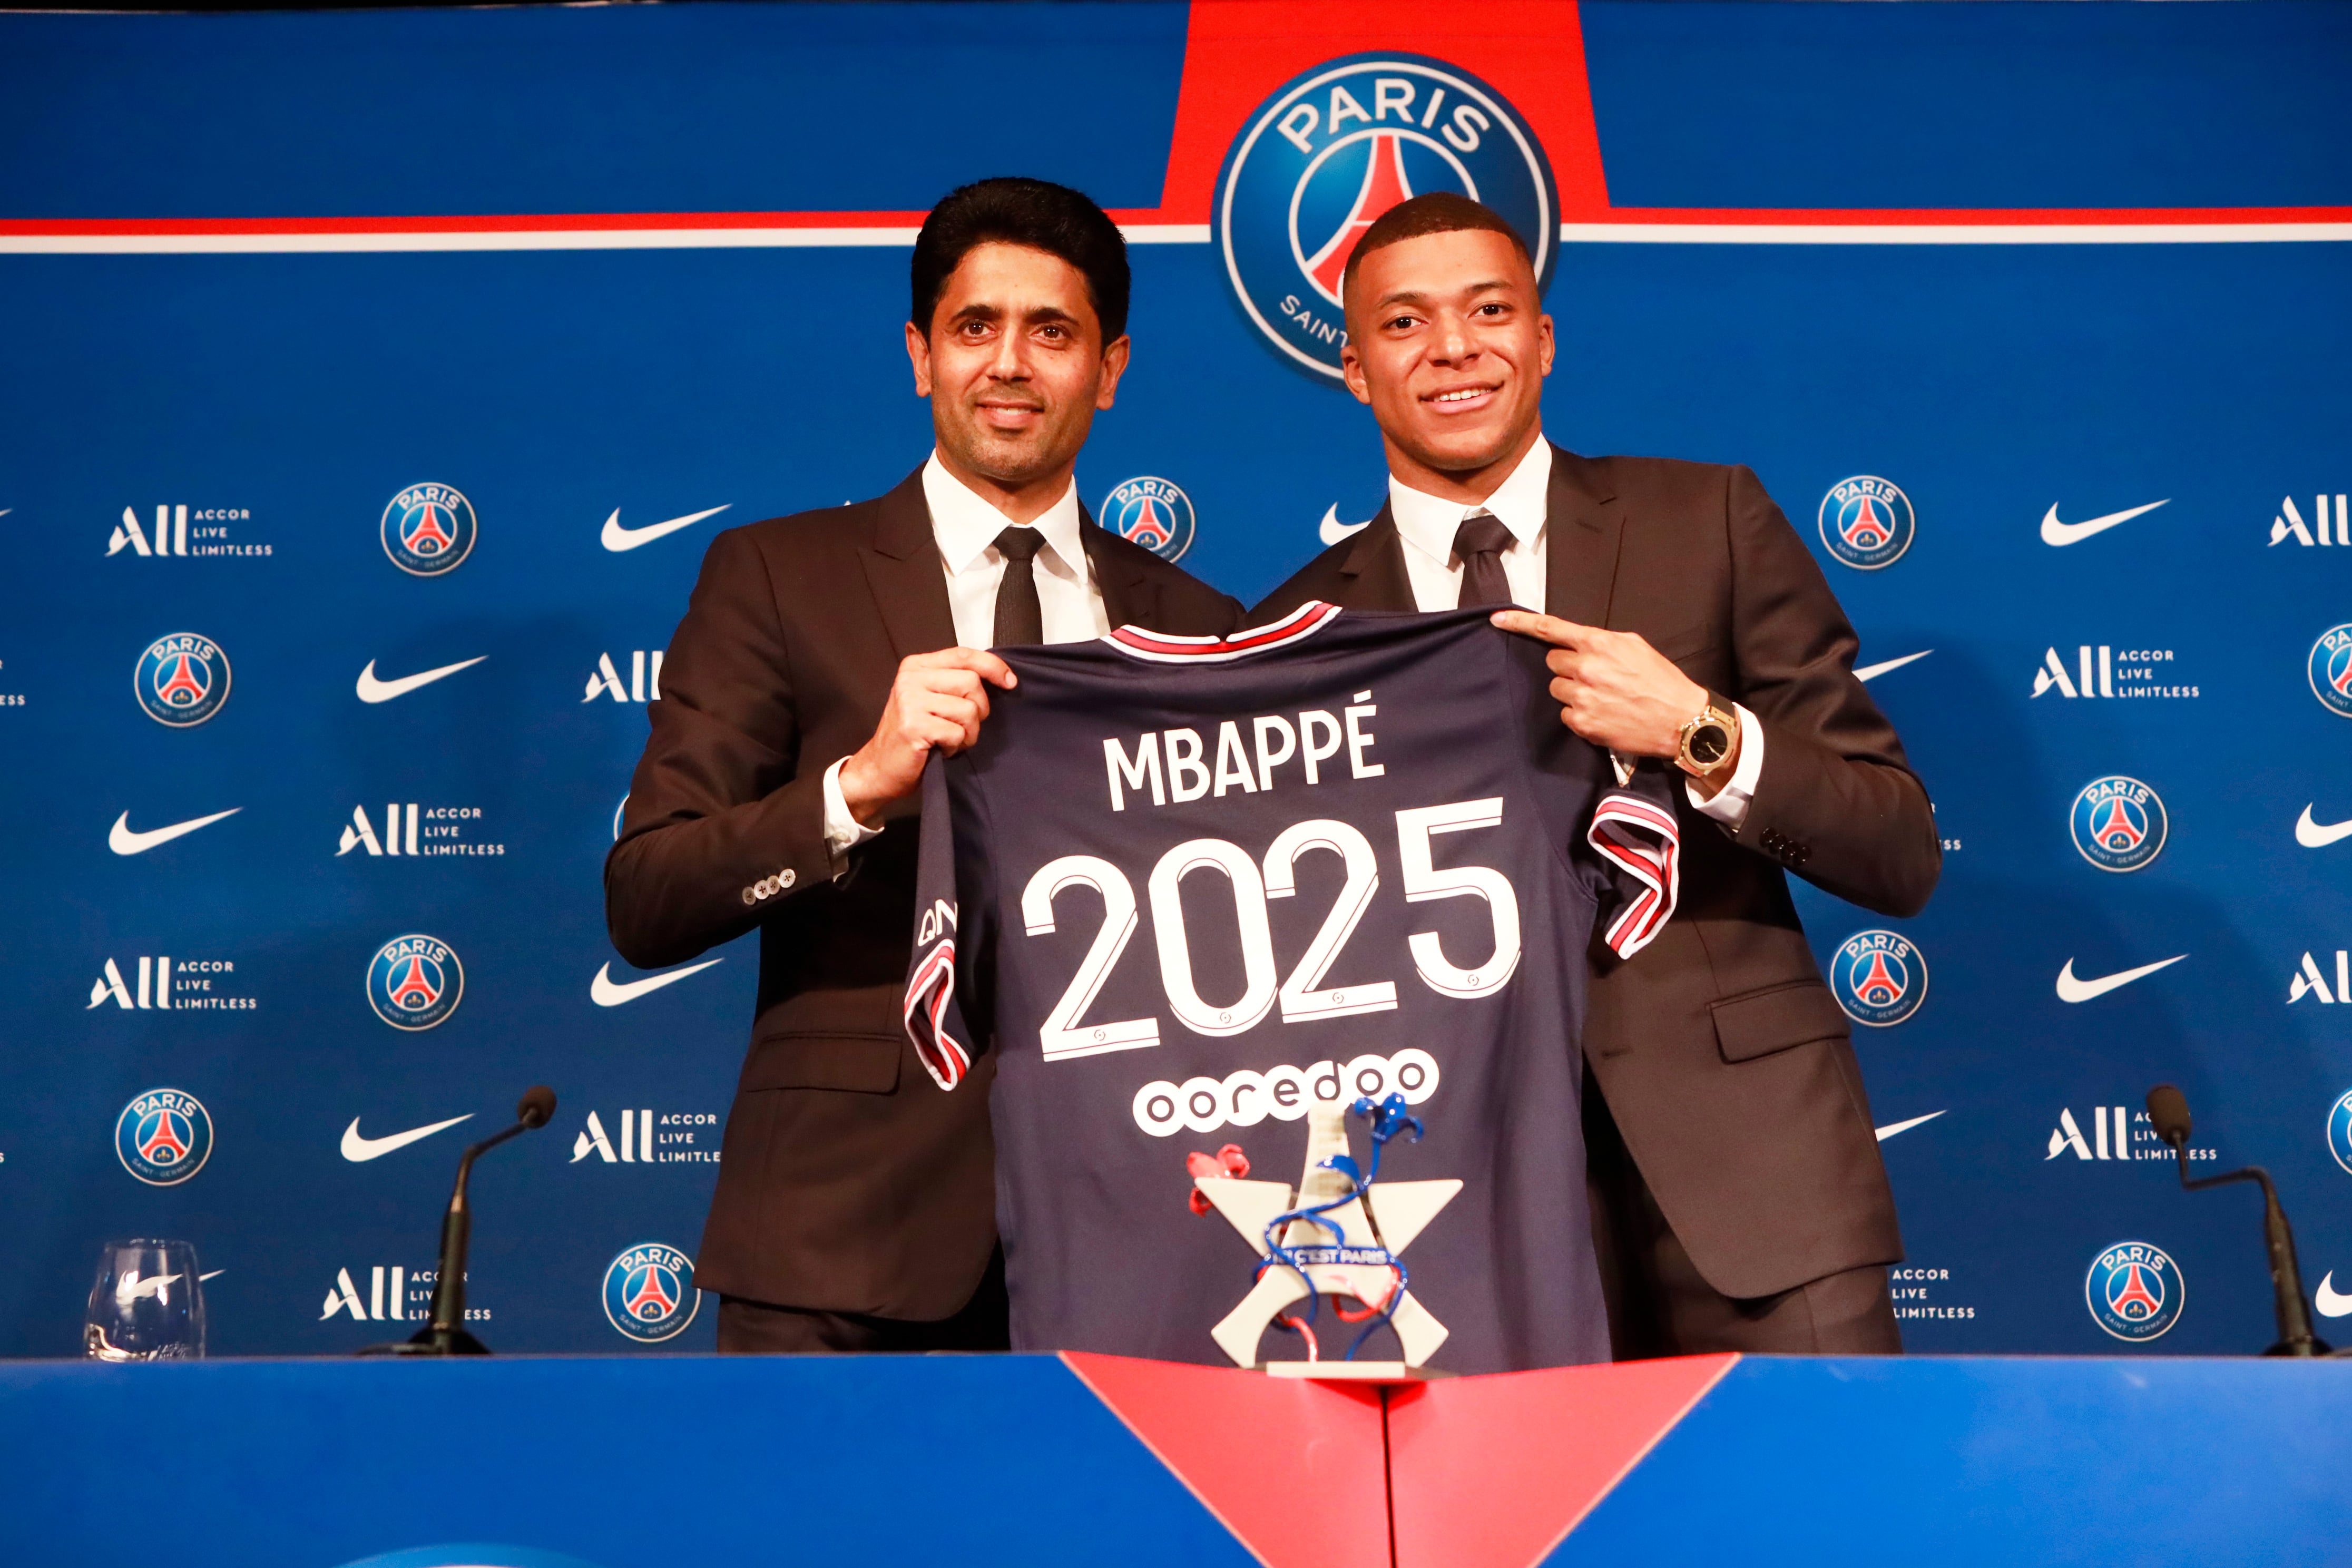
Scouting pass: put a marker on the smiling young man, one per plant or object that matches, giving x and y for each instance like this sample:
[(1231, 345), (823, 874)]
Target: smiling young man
[(1737, 1196), (823, 660)]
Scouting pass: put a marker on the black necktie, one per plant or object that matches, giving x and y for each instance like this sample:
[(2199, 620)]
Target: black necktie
[(1019, 618), (1479, 542)]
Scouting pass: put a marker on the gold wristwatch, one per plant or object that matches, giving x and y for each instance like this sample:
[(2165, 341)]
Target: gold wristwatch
[(1703, 743)]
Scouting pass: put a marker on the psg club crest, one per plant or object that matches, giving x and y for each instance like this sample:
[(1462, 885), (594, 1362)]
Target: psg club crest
[(415, 981), (1152, 513), (2118, 822), (182, 679), (649, 1292), (1337, 147), (2339, 1131), (2331, 670), (163, 1137), (1867, 522), (1879, 978), (2135, 1292), (428, 530)]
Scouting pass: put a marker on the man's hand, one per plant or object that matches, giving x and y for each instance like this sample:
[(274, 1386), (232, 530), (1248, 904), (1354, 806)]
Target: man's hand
[(1615, 688), (936, 702)]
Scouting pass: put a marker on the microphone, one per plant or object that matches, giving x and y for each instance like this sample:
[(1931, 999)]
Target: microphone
[(2168, 1112), (444, 1333)]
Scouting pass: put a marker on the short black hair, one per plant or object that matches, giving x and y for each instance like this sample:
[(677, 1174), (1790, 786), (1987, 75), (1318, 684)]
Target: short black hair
[(1439, 212), (1038, 214)]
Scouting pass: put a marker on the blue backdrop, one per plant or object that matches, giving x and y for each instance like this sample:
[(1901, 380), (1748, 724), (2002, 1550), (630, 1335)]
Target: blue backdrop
[(1998, 385)]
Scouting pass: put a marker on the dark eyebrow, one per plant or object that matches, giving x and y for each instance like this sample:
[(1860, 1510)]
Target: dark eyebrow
[(1415, 297)]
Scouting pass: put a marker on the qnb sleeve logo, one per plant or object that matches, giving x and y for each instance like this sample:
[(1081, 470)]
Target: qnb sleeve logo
[(1867, 522), (428, 530), (1879, 978), (1337, 147), (2135, 1292), (1153, 514), (163, 1137), (649, 1292), (2118, 823), (2330, 670), (415, 981), (182, 679)]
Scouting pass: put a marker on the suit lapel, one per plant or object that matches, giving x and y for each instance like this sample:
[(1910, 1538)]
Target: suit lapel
[(902, 567), (1372, 576), (1128, 595), (1583, 528)]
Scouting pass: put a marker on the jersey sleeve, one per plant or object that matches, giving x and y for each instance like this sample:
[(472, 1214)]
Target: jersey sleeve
[(946, 974), (1638, 875)]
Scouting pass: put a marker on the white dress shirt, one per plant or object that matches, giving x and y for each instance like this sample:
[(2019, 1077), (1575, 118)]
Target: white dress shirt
[(1426, 524), (965, 526)]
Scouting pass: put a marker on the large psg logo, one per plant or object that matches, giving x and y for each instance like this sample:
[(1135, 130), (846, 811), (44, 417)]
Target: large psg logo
[(415, 981), (182, 679), (2135, 1292), (1867, 522), (649, 1292), (428, 530), (2330, 668), (1339, 146), (1878, 977), (2118, 823), (2339, 1130), (1153, 514), (163, 1137)]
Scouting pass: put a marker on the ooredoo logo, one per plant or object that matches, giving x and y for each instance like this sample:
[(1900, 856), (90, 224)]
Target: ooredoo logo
[(1153, 514), (428, 530), (649, 1292), (1246, 1097), (163, 1137), (1867, 522), (415, 981), (1879, 978), (1337, 146), (182, 679)]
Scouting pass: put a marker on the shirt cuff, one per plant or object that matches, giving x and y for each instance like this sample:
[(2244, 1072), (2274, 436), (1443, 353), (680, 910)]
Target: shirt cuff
[(843, 832), (1728, 804)]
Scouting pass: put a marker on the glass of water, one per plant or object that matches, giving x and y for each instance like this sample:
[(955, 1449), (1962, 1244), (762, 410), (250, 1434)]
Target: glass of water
[(147, 1305)]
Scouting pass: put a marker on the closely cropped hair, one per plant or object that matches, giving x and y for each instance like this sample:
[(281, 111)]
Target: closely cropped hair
[(1042, 216), (1439, 212)]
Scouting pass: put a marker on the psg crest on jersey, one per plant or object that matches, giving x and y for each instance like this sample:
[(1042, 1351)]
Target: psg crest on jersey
[(2339, 1130), (182, 679), (1867, 522), (2135, 1292), (649, 1292), (1878, 977), (163, 1137), (1152, 513), (2330, 667), (1339, 146), (428, 530), (2118, 822), (415, 981)]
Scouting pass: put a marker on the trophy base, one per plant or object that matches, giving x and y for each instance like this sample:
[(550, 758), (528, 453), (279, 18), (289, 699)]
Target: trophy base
[(1375, 1371)]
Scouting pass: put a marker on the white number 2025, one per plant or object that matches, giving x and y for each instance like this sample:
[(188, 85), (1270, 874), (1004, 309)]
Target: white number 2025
[(1300, 996)]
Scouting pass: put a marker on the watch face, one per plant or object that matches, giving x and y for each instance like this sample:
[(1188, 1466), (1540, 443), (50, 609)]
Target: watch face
[(1708, 744)]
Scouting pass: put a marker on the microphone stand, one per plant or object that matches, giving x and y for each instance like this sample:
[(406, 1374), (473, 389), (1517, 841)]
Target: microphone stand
[(2295, 1338)]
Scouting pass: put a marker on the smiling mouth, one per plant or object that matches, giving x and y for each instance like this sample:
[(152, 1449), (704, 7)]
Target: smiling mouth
[(1460, 394)]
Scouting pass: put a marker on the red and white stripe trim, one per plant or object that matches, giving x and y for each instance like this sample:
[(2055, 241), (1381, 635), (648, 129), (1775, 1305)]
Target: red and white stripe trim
[(929, 993), (1160, 648), (1643, 840)]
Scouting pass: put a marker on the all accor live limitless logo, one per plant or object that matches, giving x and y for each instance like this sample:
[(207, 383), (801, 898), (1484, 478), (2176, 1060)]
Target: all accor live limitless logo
[(174, 535)]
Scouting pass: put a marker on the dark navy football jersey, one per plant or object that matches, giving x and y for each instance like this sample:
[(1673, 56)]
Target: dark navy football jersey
[(1186, 887)]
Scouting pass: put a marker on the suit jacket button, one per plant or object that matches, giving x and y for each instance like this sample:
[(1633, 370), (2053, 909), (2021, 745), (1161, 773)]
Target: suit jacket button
[(787, 878), (750, 897)]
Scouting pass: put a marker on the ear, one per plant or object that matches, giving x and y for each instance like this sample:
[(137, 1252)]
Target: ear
[(1351, 370), (1543, 336), (918, 352), (1114, 365)]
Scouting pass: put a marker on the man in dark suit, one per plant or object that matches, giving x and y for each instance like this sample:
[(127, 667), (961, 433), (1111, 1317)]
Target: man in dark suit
[(1738, 1198), (822, 660)]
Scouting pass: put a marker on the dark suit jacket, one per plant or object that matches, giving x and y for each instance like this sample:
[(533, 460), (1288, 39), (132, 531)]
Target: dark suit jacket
[(1720, 1051), (848, 1181)]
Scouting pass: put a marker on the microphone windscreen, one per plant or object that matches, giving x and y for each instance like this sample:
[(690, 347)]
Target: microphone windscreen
[(537, 1106), (2168, 1109)]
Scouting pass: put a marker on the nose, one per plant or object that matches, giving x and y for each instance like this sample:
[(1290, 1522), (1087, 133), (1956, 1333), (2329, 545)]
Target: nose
[(1011, 361), (1452, 343)]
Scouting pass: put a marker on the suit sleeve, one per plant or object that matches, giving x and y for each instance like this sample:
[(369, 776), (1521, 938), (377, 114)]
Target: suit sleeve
[(1836, 802), (954, 918), (721, 820)]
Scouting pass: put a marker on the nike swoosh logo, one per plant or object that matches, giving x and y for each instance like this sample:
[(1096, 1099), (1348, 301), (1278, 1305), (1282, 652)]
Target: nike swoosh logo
[(1873, 671), (607, 992), (2330, 1302), (2064, 533), (214, 1275), (2072, 989), (133, 1288), (617, 538), (1891, 1129), (2317, 835), (358, 1149), (371, 690), (1330, 531), (124, 839)]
